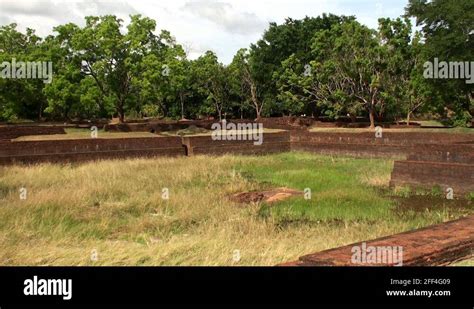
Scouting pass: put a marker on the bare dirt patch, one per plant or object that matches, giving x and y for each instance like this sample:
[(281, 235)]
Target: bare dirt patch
[(268, 196)]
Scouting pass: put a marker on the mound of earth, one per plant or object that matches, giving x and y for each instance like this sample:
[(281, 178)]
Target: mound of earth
[(269, 196), (192, 129)]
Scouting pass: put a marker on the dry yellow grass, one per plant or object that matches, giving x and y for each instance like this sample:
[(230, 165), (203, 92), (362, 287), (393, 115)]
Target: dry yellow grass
[(465, 263), (116, 208)]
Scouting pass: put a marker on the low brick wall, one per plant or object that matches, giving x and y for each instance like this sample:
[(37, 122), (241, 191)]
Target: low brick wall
[(463, 154), (428, 174), (388, 138), (393, 144), (89, 149), (9, 132), (94, 149), (272, 143), (444, 165)]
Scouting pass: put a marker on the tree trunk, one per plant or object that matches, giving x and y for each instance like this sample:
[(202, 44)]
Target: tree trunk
[(121, 113), (181, 97), (102, 111), (40, 112), (470, 99), (253, 92), (372, 117), (353, 118), (408, 118), (219, 112)]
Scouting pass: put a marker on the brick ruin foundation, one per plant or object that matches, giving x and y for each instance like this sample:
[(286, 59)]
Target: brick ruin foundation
[(431, 159), (8, 132), (88, 149), (77, 150)]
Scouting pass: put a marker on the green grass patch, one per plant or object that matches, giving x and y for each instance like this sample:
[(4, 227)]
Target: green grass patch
[(337, 190)]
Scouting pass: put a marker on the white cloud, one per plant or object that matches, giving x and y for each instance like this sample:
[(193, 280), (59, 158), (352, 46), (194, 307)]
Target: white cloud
[(104, 7), (225, 15), (31, 8)]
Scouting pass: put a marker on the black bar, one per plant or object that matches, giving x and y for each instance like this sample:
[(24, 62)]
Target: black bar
[(240, 285)]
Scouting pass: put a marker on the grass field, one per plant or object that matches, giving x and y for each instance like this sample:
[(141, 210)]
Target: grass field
[(114, 210)]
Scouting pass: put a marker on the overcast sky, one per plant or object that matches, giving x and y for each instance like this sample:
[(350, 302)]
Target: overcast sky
[(223, 26)]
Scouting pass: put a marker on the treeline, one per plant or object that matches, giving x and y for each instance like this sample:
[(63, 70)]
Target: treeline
[(329, 66)]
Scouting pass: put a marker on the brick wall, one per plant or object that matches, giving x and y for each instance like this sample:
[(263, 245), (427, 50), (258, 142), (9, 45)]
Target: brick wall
[(389, 138), (272, 143), (89, 149), (392, 144), (444, 165), (427, 174), (10, 132), (94, 149)]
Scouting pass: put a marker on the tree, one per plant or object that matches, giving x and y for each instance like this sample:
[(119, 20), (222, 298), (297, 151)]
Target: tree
[(65, 91), (113, 59), (163, 80), (179, 76), (448, 30), (240, 69), (278, 43), (348, 67), (294, 86), (21, 98), (212, 82), (404, 84)]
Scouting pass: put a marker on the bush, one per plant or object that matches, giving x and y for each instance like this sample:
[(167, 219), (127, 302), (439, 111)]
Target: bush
[(470, 196), (462, 119), (151, 110)]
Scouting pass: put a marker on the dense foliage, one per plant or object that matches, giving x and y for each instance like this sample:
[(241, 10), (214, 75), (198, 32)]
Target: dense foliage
[(330, 66)]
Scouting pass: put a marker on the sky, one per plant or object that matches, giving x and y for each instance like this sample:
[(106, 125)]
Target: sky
[(223, 26)]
